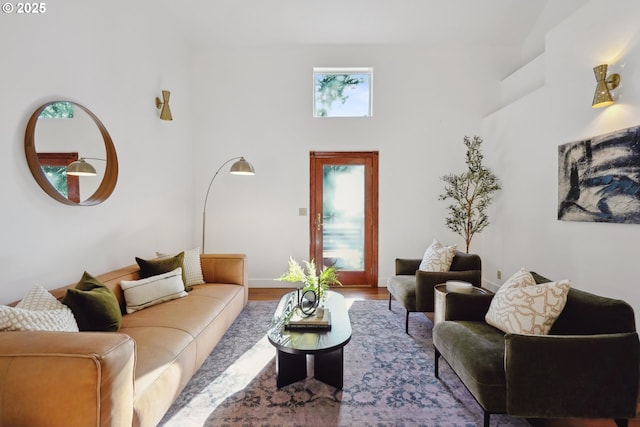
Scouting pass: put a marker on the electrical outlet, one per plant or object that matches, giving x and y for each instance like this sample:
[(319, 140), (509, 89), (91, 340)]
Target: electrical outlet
[(499, 275)]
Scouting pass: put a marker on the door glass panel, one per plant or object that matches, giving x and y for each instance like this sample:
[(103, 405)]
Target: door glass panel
[(343, 216), (57, 176)]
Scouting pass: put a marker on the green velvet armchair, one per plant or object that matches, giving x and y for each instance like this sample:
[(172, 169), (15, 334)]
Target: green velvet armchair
[(587, 367), (413, 288)]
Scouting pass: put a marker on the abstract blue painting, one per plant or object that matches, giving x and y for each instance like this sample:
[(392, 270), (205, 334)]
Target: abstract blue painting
[(599, 178)]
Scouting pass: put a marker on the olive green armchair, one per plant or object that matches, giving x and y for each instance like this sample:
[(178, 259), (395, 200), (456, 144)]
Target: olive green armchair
[(413, 288), (587, 367)]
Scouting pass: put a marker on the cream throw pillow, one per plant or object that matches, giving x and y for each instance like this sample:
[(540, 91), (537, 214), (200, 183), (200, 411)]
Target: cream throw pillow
[(38, 311), (191, 264), (519, 279), (521, 306), (139, 294), (438, 257)]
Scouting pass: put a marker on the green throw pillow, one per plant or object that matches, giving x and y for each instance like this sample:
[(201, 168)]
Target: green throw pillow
[(94, 305), (153, 267)]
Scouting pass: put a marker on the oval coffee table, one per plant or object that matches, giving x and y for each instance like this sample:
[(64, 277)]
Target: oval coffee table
[(326, 346)]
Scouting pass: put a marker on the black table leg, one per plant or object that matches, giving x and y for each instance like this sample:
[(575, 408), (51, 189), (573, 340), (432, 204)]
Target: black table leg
[(328, 367), (290, 368)]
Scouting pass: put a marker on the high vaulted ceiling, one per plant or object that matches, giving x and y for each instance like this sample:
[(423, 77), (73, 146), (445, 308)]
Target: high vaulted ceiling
[(256, 22)]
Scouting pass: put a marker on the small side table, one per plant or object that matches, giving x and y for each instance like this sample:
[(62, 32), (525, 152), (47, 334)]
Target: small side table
[(440, 292)]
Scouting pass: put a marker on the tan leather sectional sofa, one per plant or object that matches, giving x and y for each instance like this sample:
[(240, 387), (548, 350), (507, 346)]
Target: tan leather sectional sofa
[(132, 377)]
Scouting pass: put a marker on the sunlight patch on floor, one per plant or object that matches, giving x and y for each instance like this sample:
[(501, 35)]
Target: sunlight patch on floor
[(349, 302), (239, 374), (198, 410)]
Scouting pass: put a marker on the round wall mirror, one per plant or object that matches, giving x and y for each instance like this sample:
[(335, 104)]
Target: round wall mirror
[(70, 154)]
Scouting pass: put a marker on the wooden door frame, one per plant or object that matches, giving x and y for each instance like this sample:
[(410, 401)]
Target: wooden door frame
[(371, 208), (63, 159)]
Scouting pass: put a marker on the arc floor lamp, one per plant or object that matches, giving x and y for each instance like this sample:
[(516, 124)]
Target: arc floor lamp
[(240, 167), (82, 168)]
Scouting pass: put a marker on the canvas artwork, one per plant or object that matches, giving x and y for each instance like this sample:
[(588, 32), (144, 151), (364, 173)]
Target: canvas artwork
[(599, 178), (342, 92)]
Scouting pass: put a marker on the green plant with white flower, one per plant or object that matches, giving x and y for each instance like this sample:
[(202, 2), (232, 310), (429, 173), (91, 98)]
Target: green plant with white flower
[(308, 275)]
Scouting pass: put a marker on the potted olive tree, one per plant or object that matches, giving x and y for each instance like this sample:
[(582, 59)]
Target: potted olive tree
[(470, 193)]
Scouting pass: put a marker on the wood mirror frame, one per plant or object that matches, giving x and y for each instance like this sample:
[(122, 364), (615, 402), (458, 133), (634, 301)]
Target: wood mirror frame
[(108, 183)]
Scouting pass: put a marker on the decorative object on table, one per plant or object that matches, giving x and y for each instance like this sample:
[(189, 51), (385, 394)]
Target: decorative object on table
[(314, 284), (598, 178), (459, 286), (471, 193), (320, 319), (290, 315), (241, 167)]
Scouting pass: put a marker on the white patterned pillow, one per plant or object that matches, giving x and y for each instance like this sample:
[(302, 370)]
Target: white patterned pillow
[(191, 264), (521, 306), (38, 311), (38, 298), (139, 294), (519, 279), (438, 257)]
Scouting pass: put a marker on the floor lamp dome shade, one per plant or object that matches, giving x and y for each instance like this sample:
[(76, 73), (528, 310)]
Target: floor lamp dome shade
[(165, 113), (240, 167), (82, 168)]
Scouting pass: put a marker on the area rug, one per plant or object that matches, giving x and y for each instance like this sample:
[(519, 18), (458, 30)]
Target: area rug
[(388, 379)]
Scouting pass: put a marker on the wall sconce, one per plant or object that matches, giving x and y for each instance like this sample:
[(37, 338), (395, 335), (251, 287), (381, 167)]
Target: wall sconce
[(165, 113), (82, 168), (602, 97)]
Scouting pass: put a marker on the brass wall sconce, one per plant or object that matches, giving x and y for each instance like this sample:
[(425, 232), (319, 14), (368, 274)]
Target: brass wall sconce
[(165, 113), (602, 97)]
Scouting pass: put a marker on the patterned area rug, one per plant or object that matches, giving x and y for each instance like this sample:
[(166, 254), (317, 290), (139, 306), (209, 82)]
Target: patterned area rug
[(388, 379)]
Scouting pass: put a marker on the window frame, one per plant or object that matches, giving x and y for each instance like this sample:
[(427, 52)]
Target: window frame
[(321, 71)]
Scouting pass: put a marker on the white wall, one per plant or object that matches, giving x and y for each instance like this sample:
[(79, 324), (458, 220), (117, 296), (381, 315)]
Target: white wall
[(112, 58), (553, 13), (522, 146), (257, 102)]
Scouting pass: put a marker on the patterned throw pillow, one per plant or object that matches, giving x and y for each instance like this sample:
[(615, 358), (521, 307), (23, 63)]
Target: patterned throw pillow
[(521, 306), (438, 257), (139, 294), (38, 311), (519, 279), (192, 268)]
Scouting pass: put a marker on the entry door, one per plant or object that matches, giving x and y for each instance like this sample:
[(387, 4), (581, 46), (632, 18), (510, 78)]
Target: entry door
[(344, 214)]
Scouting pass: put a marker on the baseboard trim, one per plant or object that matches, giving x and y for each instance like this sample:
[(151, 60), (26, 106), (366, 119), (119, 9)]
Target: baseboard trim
[(492, 286)]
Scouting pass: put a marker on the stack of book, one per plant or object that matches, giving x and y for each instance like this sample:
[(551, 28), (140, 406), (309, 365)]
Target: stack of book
[(321, 320)]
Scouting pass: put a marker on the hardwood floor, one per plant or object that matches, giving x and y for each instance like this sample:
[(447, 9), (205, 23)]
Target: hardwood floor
[(364, 293), (356, 292)]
